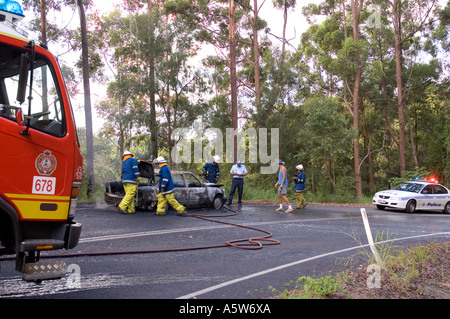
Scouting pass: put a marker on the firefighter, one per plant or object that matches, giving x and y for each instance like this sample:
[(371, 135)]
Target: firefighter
[(299, 186), (211, 170), (166, 189), (130, 179)]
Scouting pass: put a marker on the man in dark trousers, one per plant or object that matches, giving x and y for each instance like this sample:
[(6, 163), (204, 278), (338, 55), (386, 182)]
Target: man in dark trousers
[(238, 171)]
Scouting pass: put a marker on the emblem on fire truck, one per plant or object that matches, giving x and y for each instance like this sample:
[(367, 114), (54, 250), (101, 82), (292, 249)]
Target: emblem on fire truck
[(46, 163)]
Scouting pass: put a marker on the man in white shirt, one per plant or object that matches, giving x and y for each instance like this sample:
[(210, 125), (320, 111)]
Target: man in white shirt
[(238, 171)]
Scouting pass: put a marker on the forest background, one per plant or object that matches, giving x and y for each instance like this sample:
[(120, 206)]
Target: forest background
[(361, 98)]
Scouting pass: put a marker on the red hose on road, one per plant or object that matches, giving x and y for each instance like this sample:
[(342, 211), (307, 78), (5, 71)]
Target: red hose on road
[(253, 243), (246, 243)]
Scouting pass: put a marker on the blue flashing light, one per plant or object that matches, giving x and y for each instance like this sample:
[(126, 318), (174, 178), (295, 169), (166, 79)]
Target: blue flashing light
[(430, 179), (11, 6)]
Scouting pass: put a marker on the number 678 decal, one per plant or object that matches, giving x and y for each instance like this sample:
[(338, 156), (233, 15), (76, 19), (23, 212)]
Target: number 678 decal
[(44, 185)]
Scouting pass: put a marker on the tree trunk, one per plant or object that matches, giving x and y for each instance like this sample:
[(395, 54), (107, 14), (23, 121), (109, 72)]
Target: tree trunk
[(87, 100), (233, 77), (283, 46), (44, 74), (153, 146), (356, 11), (398, 52), (411, 137), (256, 58)]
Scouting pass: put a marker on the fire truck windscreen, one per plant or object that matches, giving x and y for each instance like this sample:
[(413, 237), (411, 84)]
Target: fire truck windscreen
[(47, 112)]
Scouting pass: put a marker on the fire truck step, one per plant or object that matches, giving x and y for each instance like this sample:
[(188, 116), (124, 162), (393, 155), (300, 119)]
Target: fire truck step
[(44, 270), (41, 244)]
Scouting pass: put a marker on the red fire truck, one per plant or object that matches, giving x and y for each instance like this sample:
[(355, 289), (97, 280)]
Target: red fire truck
[(41, 166)]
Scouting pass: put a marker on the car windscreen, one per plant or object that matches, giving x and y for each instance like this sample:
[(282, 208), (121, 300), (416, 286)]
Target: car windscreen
[(409, 187)]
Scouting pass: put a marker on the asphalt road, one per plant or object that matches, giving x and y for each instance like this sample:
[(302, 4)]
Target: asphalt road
[(175, 257)]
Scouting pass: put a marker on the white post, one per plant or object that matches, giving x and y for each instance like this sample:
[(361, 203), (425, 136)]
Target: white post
[(369, 236)]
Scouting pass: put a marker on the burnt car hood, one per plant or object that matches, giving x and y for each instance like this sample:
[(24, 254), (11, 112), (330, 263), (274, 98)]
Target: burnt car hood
[(146, 170), (212, 185)]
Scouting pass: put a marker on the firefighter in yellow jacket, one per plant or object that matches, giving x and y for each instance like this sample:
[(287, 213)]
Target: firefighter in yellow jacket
[(166, 189)]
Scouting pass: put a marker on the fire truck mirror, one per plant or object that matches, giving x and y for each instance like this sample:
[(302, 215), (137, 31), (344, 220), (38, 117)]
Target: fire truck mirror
[(23, 77), (19, 117)]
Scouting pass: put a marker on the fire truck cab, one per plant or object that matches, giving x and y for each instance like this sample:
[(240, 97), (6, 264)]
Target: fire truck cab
[(41, 166)]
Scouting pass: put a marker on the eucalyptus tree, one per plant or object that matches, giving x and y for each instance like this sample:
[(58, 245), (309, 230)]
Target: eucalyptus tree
[(53, 32), (409, 17), (284, 5), (87, 97), (336, 59), (183, 85), (232, 28), (401, 41), (166, 83)]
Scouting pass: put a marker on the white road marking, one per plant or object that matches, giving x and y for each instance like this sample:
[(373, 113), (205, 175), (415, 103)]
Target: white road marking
[(264, 272), (180, 230)]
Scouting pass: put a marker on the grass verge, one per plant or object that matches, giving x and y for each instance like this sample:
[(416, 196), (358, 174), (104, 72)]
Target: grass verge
[(418, 272)]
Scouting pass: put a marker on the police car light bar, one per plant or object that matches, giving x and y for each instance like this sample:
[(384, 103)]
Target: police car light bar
[(10, 12), (431, 179)]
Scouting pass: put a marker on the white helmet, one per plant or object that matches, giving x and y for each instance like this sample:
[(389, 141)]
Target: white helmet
[(299, 167), (126, 153), (160, 159), (215, 158)]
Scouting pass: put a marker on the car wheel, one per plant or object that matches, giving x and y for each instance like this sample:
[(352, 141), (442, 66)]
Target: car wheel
[(447, 208), (217, 203), (381, 207), (411, 206)]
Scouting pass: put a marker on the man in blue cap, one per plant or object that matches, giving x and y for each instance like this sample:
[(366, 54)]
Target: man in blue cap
[(238, 171), (282, 185)]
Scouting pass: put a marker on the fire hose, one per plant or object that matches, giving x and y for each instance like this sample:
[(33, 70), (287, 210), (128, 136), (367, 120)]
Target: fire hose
[(253, 243)]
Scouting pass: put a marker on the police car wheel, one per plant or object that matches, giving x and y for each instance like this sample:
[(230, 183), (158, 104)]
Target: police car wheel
[(411, 206), (447, 208)]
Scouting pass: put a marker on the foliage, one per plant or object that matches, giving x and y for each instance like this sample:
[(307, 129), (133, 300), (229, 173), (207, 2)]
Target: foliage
[(314, 288), (419, 172), (161, 78)]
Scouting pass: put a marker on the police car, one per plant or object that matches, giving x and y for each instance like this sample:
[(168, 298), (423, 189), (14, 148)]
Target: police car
[(417, 194)]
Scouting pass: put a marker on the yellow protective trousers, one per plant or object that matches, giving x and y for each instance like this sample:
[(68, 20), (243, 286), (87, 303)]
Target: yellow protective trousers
[(127, 202), (300, 200), (168, 198)]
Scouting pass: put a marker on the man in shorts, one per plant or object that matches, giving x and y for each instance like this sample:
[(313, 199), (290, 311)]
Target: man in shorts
[(282, 186)]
